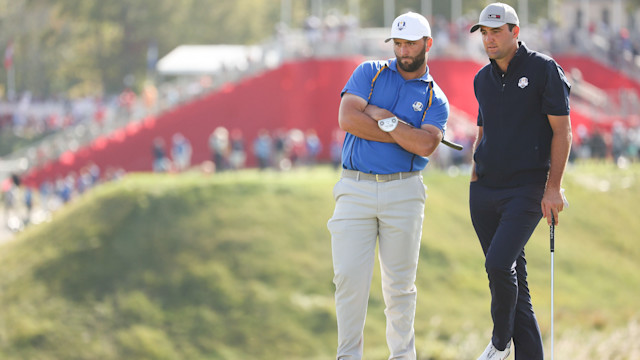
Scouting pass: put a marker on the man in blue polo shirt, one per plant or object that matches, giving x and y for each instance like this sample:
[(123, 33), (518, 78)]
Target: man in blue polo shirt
[(521, 150), (395, 116)]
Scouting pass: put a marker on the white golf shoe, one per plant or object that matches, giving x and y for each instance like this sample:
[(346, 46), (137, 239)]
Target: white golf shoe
[(491, 353)]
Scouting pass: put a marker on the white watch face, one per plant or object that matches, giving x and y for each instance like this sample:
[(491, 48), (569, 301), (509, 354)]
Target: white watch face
[(388, 124)]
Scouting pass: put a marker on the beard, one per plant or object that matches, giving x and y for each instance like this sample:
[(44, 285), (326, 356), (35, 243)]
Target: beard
[(415, 64)]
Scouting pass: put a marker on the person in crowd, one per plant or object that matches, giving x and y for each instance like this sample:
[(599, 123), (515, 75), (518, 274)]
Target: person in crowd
[(314, 147), (160, 161), (262, 149), (238, 154), (219, 146), (335, 148), (280, 149), (296, 149), (181, 152)]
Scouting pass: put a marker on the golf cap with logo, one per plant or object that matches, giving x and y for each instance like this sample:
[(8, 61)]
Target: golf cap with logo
[(410, 26), (496, 15)]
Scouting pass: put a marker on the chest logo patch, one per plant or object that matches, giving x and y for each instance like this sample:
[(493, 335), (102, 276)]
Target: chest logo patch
[(417, 106), (523, 82)]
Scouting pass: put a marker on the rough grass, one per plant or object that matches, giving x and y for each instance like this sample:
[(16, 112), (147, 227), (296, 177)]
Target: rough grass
[(238, 266)]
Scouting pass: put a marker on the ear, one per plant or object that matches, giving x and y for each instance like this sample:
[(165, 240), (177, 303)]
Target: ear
[(516, 31), (429, 43)]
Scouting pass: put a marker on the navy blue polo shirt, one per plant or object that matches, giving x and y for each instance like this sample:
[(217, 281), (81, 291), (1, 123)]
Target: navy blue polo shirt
[(516, 145), (406, 99)]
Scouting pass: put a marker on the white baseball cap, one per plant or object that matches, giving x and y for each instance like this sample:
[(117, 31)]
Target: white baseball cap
[(496, 15), (410, 26)]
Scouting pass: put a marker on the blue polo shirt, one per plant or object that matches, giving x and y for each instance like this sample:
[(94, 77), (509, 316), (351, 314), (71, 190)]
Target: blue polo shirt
[(406, 99), (516, 145)]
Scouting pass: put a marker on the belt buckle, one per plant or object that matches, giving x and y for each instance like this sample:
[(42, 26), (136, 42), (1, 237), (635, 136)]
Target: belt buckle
[(379, 179)]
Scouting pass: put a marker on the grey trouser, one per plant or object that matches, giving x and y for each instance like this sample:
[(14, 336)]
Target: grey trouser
[(365, 211)]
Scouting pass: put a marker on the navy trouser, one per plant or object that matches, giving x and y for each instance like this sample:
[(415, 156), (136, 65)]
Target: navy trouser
[(504, 219)]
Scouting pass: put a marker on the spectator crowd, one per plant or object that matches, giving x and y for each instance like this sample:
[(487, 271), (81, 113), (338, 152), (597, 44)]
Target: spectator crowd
[(279, 149), (57, 125)]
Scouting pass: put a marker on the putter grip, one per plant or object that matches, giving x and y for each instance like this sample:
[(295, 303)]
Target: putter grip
[(552, 235), (452, 145)]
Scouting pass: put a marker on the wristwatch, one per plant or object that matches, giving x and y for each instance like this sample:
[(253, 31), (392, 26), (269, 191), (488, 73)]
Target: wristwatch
[(388, 124)]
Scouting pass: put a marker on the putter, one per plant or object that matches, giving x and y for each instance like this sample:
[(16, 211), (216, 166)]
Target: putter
[(452, 144), (552, 246), (448, 143)]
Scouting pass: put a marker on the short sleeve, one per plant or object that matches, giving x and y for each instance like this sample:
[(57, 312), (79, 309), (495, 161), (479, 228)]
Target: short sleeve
[(360, 81), (555, 98), (438, 113)]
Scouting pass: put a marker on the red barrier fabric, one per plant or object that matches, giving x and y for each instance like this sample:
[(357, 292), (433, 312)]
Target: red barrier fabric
[(303, 95)]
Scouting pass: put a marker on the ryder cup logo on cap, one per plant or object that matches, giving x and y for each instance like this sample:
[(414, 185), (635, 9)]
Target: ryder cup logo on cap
[(496, 15), (410, 26)]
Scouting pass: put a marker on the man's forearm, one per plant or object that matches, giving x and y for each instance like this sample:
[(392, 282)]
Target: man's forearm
[(355, 118), (419, 141), (479, 135), (366, 128), (560, 148)]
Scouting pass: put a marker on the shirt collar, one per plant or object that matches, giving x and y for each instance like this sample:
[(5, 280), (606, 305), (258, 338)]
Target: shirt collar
[(426, 77)]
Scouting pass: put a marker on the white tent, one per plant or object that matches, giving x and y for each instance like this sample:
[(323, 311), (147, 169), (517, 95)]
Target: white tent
[(207, 59)]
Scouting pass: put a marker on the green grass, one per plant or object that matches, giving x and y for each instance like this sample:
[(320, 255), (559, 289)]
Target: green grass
[(238, 266)]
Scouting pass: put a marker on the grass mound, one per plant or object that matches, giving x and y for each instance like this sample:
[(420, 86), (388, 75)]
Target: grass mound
[(238, 266)]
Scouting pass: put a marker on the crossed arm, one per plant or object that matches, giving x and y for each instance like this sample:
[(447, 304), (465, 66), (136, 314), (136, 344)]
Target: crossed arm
[(359, 118)]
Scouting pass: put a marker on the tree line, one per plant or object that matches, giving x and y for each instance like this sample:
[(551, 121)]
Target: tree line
[(91, 47)]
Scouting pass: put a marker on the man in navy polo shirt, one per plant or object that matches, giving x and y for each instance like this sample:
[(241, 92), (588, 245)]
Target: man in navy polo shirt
[(521, 150), (395, 116)]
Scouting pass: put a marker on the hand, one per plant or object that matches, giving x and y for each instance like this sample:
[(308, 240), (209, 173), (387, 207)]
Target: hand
[(474, 175), (553, 202)]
